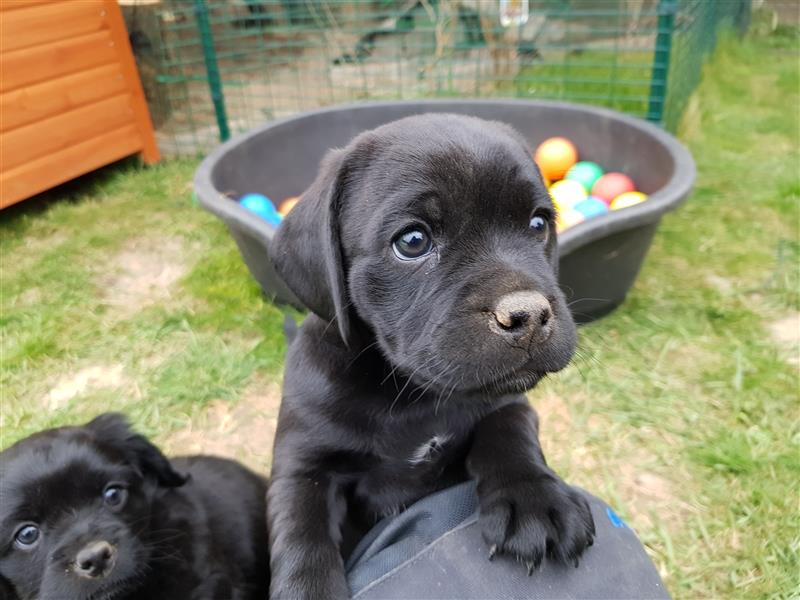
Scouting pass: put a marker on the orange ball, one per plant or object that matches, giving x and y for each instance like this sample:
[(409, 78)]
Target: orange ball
[(555, 156), (287, 205)]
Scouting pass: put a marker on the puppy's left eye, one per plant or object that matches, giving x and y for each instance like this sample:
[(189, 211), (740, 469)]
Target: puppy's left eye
[(412, 243), (539, 224), (26, 536), (115, 496)]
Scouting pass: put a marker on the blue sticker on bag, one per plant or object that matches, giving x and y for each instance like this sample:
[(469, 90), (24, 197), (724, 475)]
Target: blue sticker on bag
[(615, 519)]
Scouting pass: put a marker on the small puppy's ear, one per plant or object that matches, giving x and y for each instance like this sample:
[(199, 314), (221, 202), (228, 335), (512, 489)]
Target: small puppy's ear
[(306, 249), (113, 429)]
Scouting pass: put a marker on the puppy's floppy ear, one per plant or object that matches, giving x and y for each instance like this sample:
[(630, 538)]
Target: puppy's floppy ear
[(307, 251), (114, 431)]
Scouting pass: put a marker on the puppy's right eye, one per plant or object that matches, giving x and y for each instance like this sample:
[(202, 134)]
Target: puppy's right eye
[(115, 496), (26, 536), (412, 243)]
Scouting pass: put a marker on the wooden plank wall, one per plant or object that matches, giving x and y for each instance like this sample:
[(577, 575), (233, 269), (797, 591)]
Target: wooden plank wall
[(70, 96)]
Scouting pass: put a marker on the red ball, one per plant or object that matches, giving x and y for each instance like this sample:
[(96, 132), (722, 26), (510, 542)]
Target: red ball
[(611, 185)]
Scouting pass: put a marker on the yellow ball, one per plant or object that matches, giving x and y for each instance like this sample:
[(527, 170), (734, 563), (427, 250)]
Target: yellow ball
[(567, 193), (627, 199), (568, 218)]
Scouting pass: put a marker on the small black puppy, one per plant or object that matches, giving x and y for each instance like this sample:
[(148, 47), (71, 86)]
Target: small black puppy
[(431, 243), (97, 512)]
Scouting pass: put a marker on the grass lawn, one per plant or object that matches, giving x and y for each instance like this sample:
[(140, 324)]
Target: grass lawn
[(681, 410)]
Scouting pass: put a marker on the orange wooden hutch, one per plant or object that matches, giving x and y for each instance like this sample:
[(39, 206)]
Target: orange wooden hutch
[(70, 96)]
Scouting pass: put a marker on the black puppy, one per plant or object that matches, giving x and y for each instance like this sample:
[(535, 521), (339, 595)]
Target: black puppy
[(427, 251), (97, 512)]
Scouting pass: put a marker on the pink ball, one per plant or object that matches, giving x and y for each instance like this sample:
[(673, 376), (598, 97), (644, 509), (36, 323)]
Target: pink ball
[(611, 185)]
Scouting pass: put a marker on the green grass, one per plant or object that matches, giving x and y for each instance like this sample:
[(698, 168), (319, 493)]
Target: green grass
[(686, 369), (681, 409), (59, 259)]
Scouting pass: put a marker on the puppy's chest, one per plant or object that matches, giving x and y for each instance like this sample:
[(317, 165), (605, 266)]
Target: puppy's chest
[(412, 462), (420, 450), (416, 443)]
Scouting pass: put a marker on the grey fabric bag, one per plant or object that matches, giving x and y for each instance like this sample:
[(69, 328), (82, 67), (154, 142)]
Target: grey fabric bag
[(434, 549)]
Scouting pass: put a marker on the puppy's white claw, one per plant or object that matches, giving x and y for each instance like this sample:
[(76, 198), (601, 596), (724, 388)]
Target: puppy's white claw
[(492, 551)]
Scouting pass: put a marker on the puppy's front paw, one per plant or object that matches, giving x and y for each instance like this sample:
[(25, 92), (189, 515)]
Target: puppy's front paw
[(531, 519)]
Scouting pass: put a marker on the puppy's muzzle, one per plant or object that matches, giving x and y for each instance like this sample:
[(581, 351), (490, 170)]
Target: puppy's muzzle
[(522, 317), (95, 559)]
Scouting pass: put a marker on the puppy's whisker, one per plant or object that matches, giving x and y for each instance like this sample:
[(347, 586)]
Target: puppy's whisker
[(434, 380), (568, 291), (453, 389), (420, 391), (439, 401), (328, 326), (173, 557), (587, 300), (169, 538), (588, 357), (363, 350), (391, 373), (408, 381)]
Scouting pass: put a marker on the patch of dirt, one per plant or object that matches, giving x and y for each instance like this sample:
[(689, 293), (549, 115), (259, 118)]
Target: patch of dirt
[(75, 384), (786, 333), (243, 431), (721, 284), (647, 496), (30, 297), (561, 437), (144, 271)]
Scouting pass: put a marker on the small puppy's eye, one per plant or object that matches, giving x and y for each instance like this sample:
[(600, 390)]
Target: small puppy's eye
[(115, 496), (539, 224), (411, 244), (27, 535)]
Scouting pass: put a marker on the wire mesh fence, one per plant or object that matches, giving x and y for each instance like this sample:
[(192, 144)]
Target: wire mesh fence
[(212, 68)]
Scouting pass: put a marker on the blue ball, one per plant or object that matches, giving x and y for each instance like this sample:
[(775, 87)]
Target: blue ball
[(262, 206), (591, 207)]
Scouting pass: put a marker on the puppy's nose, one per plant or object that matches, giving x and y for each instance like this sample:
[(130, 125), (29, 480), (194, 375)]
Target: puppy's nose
[(523, 314), (96, 559)]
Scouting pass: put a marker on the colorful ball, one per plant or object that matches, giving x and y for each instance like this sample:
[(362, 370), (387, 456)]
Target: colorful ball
[(592, 207), (262, 206), (627, 199), (287, 205), (586, 173), (568, 218), (611, 185), (555, 156), (566, 194)]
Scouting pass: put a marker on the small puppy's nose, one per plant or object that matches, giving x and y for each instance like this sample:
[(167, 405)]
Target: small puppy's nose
[(523, 313), (96, 559)]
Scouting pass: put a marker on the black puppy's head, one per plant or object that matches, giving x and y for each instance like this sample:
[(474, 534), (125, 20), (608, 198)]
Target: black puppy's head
[(75, 506), (436, 235)]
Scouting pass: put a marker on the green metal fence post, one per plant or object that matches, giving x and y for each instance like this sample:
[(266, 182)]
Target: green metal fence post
[(661, 56), (212, 69), (742, 18)]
